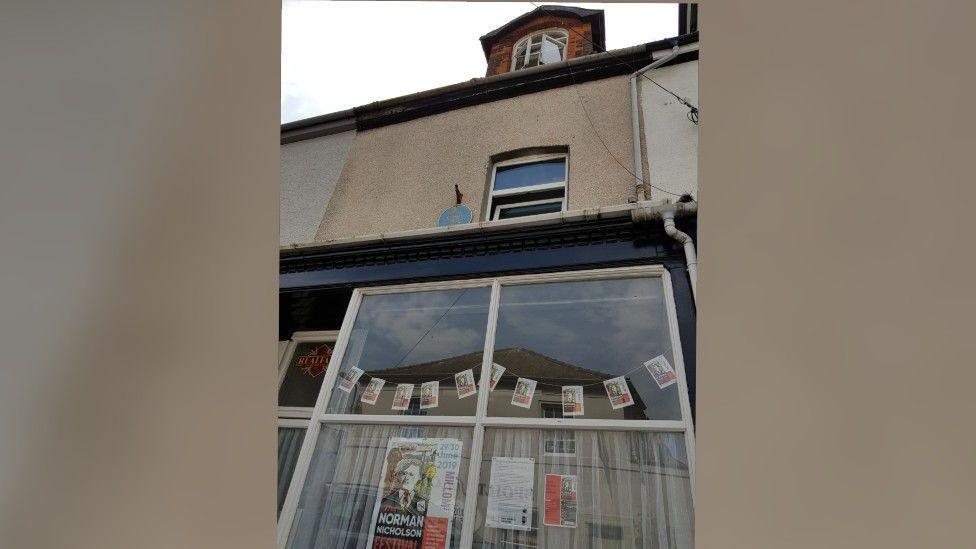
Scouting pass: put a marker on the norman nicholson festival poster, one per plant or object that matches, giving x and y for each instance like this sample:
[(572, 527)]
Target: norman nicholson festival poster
[(416, 496)]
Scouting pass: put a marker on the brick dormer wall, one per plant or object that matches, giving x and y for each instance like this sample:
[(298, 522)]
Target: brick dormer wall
[(500, 58)]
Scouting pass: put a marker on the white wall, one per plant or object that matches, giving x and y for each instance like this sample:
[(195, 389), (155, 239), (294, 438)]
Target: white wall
[(309, 171), (671, 140)]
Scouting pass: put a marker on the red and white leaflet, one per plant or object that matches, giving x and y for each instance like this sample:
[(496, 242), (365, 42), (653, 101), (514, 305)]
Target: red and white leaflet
[(561, 501), (496, 374), (524, 390), (429, 393), (372, 392), (349, 378), (573, 400), (401, 398), (661, 371), (465, 383), (618, 392)]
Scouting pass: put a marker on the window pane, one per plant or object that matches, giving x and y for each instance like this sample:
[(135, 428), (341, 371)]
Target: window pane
[(289, 444), (581, 334), (414, 338), (534, 209), (534, 173), (344, 478), (300, 386), (551, 52), (632, 489)]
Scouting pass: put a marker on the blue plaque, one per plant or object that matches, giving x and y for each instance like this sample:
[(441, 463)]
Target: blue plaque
[(455, 215)]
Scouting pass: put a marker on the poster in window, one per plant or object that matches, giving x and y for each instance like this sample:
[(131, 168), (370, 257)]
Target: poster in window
[(465, 383), (618, 392), (372, 392), (428, 394), (315, 361), (496, 374), (510, 490), (524, 390), (349, 378), (561, 501), (661, 371), (401, 398), (417, 492), (573, 400)]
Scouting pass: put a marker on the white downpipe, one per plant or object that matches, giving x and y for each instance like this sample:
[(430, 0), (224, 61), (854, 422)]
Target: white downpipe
[(639, 185), (691, 258)]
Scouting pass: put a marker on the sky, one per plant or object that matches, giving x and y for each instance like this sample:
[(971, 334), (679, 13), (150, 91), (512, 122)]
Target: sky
[(339, 55)]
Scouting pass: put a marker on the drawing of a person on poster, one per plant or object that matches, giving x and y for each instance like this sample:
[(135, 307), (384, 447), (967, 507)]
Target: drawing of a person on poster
[(405, 497)]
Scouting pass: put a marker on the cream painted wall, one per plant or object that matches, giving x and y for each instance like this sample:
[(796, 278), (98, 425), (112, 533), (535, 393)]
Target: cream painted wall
[(670, 139), (401, 177), (309, 171)]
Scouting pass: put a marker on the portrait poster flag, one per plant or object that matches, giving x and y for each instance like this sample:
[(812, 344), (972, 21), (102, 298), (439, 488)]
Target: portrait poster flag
[(349, 378), (372, 392), (401, 398), (573, 400), (417, 493), (510, 490), (465, 383), (661, 371), (524, 390), (496, 374), (618, 392), (561, 501), (428, 394)]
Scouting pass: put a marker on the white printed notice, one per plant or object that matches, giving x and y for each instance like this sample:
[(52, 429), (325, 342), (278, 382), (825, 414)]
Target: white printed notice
[(510, 493), (349, 378), (661, 371), (417, 492)]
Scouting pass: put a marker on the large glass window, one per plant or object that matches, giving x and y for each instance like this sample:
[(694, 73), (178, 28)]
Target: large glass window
[(581, 333), (632, 489), (407, 340), (577, 418)]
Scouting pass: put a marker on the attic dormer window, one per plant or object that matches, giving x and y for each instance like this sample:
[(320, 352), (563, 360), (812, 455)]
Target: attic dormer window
[(540, 48)]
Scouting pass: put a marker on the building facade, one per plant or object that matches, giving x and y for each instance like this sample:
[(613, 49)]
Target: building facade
[(487, 314)]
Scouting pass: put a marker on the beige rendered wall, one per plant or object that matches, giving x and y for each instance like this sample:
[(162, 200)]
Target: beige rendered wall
[(671, 140), (401, 177)]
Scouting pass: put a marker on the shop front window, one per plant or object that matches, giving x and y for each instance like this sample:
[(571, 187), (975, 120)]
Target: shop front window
[(527, 411)]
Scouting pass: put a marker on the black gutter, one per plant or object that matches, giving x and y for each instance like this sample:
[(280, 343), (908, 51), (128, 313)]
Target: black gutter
[(485, 90)]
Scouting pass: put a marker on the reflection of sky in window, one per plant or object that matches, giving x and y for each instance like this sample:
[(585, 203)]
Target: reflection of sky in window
[(609, 326), (435, 325), (536, 173)]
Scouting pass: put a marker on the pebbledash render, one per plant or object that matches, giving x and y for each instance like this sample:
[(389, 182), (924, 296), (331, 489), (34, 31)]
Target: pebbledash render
[(487, 302)]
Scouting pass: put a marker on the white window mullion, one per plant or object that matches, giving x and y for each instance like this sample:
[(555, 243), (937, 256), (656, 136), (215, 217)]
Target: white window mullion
[(287, 516), (477, 438)]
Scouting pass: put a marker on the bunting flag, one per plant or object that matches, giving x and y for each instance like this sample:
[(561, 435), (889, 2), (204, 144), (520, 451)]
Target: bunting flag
[(465, 383), (524, 390), (401, 398), (573, 400), (618, 392), (661, 371), (429, 393), (372, 392), (496, 374), (349, 378)]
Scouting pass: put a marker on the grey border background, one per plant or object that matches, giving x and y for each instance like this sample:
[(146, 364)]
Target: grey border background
[(138, 229)]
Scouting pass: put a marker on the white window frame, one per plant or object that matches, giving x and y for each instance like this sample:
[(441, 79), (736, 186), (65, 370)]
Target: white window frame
[(481, 420), (526, 40), (530, 159), (299, 416)]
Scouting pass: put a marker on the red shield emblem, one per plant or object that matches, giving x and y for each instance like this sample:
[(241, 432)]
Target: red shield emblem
[(315, 361)]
